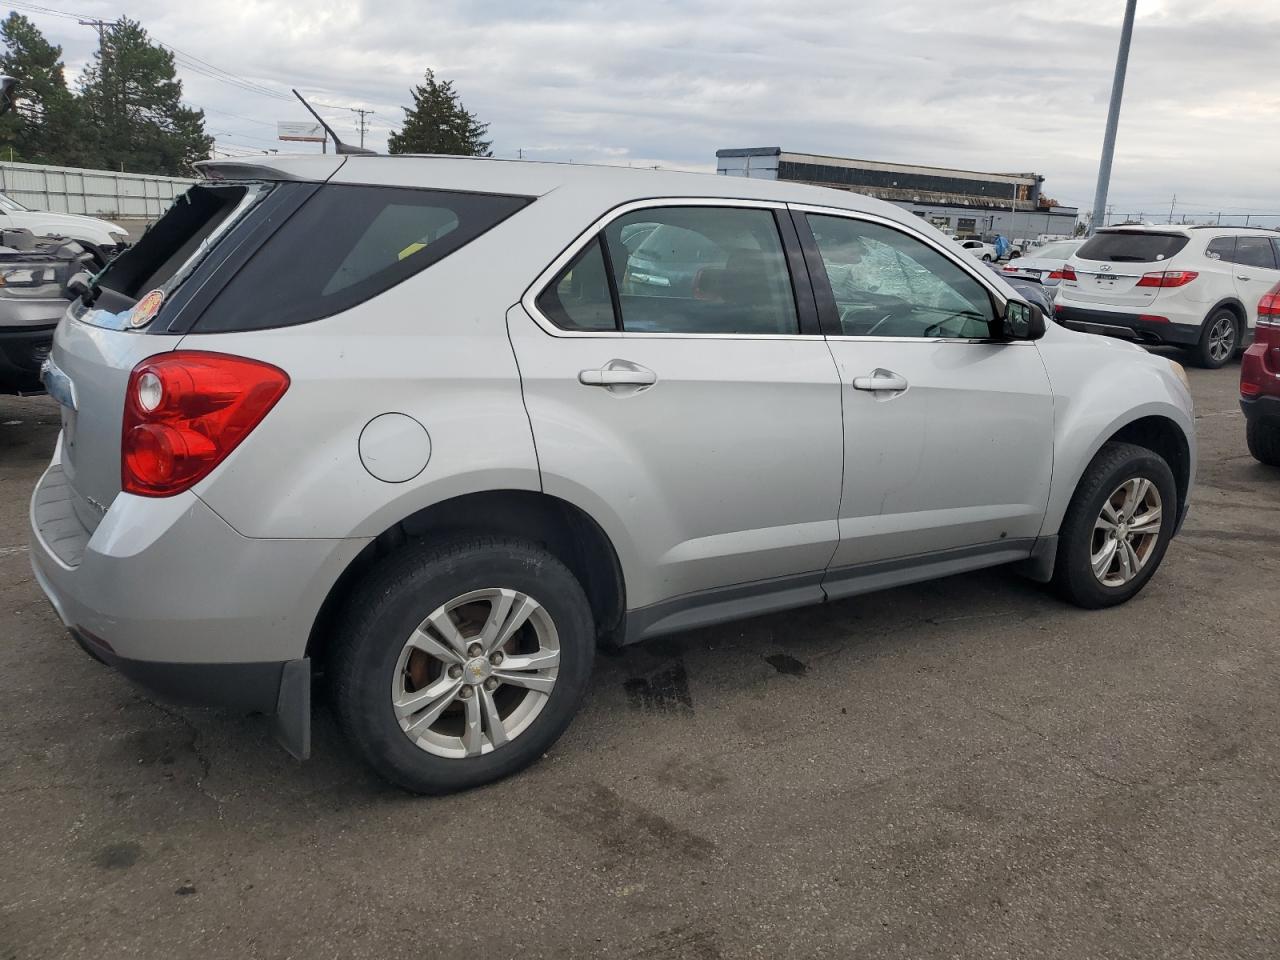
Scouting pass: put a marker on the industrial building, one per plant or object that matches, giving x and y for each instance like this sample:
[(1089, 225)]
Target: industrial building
[(964, 203)]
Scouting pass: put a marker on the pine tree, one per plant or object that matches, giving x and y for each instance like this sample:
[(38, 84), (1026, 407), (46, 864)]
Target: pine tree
[(438, 123), (43, 125), (132, 98)]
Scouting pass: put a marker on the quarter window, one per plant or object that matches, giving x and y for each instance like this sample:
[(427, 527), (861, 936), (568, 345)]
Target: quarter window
[(578, 298), (888, 284)]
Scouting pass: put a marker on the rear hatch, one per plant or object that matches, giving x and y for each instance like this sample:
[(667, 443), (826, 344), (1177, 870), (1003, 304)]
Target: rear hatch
[(133, 311), (1111, 263)]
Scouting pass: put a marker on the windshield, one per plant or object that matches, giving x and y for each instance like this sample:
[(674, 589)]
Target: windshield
[(1135, 247), (13, 206)]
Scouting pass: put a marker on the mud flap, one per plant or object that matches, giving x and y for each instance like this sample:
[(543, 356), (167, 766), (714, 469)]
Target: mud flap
[(291, 725)]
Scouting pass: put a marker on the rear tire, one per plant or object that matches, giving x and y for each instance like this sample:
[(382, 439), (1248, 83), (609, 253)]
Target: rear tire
[(1219, 340), (1100, 496), (1264, 441), (420, 622)]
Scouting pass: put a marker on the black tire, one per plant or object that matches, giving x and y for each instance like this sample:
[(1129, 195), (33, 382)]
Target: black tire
[(1264, 441), (402, 592), (1201, 354), (1073, 575)]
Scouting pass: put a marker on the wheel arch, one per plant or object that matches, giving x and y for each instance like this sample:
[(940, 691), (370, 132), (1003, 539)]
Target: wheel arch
[(567, 531)]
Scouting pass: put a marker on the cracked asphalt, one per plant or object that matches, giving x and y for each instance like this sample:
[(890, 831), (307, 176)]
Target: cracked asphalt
[(966, 768)]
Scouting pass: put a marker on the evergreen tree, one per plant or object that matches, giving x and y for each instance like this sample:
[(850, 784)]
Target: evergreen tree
[(43, 126), (438, 123), (132, 101)]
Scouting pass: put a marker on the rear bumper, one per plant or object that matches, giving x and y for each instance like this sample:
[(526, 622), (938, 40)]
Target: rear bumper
[(169, 594), (1264, 409), (1144, 331)]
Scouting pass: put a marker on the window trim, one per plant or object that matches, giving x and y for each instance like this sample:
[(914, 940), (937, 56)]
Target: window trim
[(826, 299), (544, 279)]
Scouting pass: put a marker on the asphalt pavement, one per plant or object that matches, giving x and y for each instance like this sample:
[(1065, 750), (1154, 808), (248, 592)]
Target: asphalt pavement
[(967, 768)]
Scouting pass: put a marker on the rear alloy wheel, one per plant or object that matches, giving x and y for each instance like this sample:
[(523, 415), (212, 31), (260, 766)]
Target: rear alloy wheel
[(1117, 526), (462, 663), (1218, 340)]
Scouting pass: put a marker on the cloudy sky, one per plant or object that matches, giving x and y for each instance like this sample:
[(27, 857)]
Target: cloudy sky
[(967, 83)]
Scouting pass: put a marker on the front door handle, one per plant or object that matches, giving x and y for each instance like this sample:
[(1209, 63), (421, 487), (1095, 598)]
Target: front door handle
[(1241, 276), (881, 381), (618, 373)]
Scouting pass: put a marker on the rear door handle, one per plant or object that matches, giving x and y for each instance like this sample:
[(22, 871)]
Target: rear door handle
[(1241, 276), (881, 380), (618, 373)]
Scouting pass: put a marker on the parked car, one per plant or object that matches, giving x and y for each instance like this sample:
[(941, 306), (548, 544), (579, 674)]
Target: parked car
[(1260, 383), (101, 237), (446, 453), (1030, 289), (1194, 287), (1044, 264), (981, 250), (35, 277)]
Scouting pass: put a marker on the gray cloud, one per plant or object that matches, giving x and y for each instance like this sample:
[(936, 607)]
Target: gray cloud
[(946, 82)]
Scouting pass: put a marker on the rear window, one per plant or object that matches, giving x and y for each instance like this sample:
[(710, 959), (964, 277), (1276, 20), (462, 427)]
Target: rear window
[(1132, 247), (348, 244)]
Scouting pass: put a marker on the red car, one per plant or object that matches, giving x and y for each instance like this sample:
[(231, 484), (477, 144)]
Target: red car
[(1260, 382)]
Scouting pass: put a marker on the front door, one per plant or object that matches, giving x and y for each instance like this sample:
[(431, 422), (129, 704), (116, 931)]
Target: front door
[(948, 435), (675, 395)]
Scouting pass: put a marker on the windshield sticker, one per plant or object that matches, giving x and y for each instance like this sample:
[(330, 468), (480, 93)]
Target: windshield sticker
[(144, 310)]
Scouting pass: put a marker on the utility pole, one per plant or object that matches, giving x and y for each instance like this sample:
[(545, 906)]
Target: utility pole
[(364, 124), (1113, 116), (1172, 204)]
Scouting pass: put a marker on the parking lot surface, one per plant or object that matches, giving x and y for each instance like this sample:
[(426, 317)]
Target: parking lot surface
[(967, 768)]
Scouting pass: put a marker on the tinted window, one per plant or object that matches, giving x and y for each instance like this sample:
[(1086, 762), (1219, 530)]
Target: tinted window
[(1221, 248), (1255, 252), (889, 284), (578, 298), (1120, 247), (701, 270), (345, 245)]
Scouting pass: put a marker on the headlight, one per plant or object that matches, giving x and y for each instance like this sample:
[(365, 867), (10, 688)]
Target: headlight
[(30, 281), (1181, 373)]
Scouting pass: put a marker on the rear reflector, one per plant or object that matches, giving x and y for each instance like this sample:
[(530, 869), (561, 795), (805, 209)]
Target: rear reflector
[(1152, 318), (1167, 278), (185, 411), (1248, 388)]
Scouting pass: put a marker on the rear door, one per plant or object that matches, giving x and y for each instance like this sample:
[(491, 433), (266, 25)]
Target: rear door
[(948, 435), (1256, 272), (679, 387)]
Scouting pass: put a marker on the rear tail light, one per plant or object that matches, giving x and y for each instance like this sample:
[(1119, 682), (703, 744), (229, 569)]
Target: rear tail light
[(1168, 278), (185, 411), (1010, 268), (1260, 365), (1066, 273)]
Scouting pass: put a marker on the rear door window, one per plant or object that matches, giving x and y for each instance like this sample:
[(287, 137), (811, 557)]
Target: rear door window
[(1221, 248), (1121, 247), (345, 245), (1255, 252)]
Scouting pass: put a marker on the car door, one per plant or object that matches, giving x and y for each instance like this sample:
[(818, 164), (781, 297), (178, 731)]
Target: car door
[(682, 393), (1256, 272), (948, 434)]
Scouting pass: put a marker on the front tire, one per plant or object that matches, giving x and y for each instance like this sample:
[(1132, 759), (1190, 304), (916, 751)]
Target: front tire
[(1117, 527), (1264, 441), (461, 663), (1219, 338)]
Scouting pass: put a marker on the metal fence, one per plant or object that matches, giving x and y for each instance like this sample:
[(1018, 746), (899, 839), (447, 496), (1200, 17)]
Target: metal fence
[(98, 193)]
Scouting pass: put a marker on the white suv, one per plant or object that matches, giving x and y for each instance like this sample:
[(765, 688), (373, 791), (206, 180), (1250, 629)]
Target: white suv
[(1188, 286)]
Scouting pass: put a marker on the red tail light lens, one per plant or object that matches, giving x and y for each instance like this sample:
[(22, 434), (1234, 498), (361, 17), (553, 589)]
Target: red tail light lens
[(1269, 307), (185, 411), (1168, 278), (1260, 365), (1066, 273)]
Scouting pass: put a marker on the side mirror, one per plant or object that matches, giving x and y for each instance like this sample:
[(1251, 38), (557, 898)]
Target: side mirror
[(1022, 321)]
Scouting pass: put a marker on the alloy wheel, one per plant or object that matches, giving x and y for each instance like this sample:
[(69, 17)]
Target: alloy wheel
[(1222, 339), (1126, 532), (476, 673)]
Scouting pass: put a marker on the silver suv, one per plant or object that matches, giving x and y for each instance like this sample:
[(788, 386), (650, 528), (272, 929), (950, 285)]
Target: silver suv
[(435, 427)]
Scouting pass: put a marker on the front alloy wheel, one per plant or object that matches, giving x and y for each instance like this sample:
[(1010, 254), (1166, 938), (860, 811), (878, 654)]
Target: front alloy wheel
[(1126, 532)]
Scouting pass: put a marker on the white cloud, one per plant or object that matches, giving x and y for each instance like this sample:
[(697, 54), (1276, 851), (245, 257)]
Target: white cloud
[(944, 82)]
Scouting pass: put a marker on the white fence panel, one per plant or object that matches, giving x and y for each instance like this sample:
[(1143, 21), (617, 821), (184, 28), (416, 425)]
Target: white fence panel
[(98, 193)]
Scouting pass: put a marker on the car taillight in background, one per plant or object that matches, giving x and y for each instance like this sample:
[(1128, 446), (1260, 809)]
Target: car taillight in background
[(1260, 365), (1168, 278), (1067, 272), (185, 411)]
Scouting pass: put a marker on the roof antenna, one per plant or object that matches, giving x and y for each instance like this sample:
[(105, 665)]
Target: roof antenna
[(338, 145)]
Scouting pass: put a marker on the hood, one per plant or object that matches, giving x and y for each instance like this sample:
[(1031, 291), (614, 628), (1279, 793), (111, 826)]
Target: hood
[(44, 223)]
